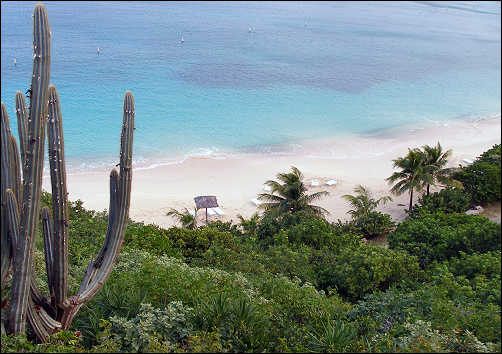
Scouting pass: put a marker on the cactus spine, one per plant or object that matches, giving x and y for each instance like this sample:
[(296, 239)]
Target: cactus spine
[(20, 214)]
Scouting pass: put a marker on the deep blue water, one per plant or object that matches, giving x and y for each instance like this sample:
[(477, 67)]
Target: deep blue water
[(306, 70)]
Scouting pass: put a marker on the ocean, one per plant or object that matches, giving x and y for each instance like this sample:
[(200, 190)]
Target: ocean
[(221, 79)]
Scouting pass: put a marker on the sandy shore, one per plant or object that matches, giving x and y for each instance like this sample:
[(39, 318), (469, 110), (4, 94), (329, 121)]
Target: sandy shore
[(365, 160)]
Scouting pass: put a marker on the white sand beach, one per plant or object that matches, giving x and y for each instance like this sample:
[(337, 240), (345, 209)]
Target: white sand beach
[(235, 181)]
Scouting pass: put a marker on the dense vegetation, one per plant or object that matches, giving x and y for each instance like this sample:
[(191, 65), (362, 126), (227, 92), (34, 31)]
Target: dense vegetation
[(482, 179), (289, 281)]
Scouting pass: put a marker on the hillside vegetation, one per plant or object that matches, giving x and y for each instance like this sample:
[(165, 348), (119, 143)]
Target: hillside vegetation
[(293, 282)]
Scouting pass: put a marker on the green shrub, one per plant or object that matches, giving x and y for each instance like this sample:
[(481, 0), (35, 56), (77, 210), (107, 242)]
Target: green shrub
[(297, 309), (491, 155), (227, 226), (482, 271), (153, 329), (448, 302), (472, 265), (440, 236), (356, 272), (60, 342), (482, 178), (482, 181), (270, 226), (374, 224), (448, 200), (175, 241), (318, 233), (421, 337), (150, 238)]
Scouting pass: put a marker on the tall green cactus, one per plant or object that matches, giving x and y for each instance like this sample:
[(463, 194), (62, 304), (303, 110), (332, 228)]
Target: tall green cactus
[(20, 213)]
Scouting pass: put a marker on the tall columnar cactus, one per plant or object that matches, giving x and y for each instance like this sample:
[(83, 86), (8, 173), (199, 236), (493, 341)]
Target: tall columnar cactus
[(20, 213)]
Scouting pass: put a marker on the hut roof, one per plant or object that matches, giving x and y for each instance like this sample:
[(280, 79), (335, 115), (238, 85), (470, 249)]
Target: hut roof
[(206, 201)]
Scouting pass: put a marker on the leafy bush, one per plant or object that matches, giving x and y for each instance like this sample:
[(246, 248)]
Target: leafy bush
[(152, 329), (296, 310), (227, 226), (175, 241), (472, 265), (356, 272), (374, 224), (482, 181), (491, 155), (60, 342), (150, 238), (448, 302), (442, 236), (270, 226), (318, 233), (482, 178), (483, 273), (448, 200)]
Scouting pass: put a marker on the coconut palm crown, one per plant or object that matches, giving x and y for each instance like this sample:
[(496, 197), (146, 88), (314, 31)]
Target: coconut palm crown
[(187, 220), (363, 202), (289, 195), (434, 165), (412, 176)]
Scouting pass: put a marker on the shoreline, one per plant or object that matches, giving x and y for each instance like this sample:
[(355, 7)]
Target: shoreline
[(235, 179), (79, 165)]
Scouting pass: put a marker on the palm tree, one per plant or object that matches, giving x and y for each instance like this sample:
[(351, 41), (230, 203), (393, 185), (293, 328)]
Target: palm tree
[(412, 175), (435, 160), (363, 202), (187, 220), (290, 196)]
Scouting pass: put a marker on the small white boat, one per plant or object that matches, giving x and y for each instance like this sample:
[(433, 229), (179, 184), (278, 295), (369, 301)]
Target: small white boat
[(182, 40)]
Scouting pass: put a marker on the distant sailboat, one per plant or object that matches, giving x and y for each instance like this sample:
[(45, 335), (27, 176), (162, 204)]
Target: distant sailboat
[(182, 40), (249, 30), (15, 62), (97, 50)]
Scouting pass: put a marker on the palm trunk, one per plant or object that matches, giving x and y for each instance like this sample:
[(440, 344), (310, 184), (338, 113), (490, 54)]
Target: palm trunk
[(411, 199), (428, 186)]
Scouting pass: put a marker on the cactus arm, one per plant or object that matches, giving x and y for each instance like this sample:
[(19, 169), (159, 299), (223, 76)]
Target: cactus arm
[(22, 124), (59, 197), (15, 168), (91, 270), (40, 321), (40, 313), (119, 198), (6, 161), (32, 172), (48, 250), (12, 225), (5, 183), (117, 224)]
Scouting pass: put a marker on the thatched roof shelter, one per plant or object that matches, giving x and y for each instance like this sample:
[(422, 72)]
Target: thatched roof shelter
[(206, 201)]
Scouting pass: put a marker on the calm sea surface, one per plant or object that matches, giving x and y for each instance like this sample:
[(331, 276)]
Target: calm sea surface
[(253, 76)]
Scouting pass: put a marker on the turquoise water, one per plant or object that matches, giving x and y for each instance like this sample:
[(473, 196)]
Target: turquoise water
[(254, 76)]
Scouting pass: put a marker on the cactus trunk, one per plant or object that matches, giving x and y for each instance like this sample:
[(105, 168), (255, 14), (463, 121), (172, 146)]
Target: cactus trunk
[(59, 199), (32, 171)]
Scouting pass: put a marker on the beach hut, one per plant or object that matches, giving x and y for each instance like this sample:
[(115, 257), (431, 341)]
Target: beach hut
[(206, 201)]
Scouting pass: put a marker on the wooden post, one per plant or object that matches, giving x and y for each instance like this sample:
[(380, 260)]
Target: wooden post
[(206, 216)]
